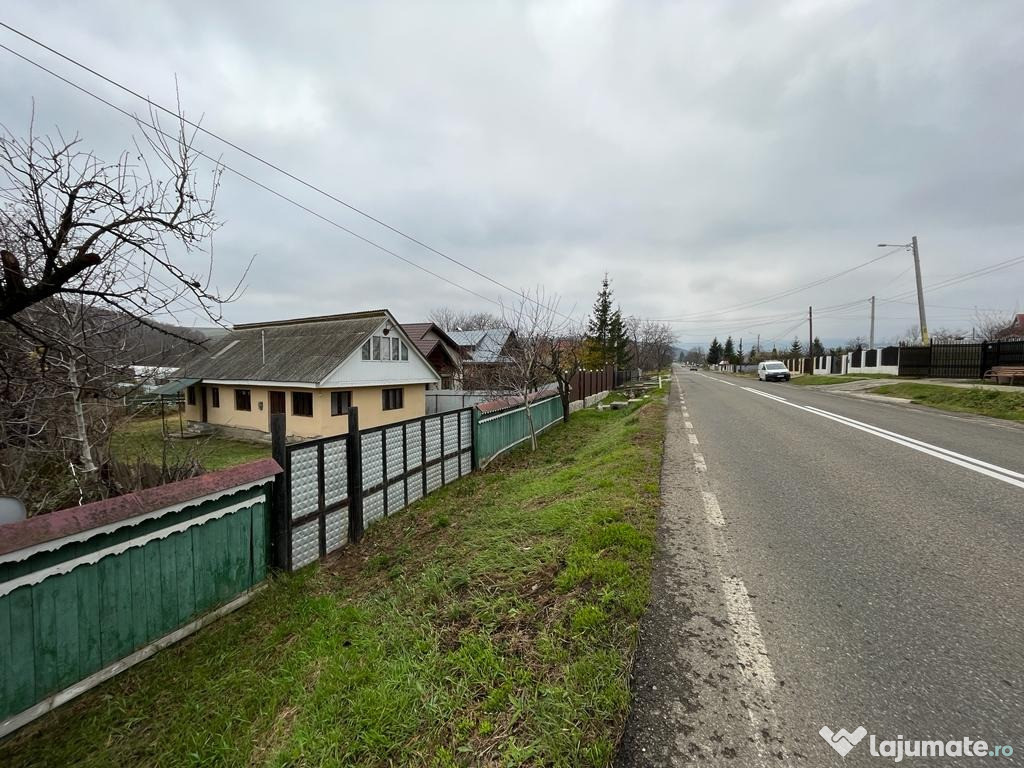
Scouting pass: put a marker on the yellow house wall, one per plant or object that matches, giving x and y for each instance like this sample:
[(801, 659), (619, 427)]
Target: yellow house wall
[(321, 423)]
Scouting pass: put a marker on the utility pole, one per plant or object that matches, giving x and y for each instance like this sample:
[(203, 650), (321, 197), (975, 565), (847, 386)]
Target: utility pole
[(920, 292), (810, 337), (871, 336), (759, 345)]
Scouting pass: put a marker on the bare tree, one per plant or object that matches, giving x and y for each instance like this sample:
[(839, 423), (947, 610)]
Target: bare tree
[(86, 249), (450, 319), (562, 359), (534, 323), (994, 325)]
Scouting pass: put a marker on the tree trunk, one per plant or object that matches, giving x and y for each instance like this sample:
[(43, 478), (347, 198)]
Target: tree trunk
[(85, 459), (529, 421)]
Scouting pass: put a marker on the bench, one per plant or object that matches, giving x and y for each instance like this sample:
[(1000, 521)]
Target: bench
[(1006, 374)]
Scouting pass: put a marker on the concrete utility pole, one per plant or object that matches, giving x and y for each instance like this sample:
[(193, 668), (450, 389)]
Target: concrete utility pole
[(810, 337), (871, 336), (920, 292)]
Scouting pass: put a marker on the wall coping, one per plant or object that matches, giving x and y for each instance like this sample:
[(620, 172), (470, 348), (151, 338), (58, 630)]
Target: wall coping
[(508, 403), (51, 531)]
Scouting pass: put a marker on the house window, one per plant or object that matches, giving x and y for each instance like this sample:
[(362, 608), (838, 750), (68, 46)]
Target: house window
[(340, 403), (243, 400), (392, 398), (385, 348), (302, 403), (191, 394), (215, 396)]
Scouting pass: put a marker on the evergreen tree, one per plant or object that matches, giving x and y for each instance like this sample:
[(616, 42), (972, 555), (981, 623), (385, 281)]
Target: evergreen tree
[(617, 352), (714, 352), (817, 348), (739, 352), (729, 351), (797, 349), (599, 325)]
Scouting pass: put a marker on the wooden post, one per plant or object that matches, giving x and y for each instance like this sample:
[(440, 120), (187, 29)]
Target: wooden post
[(279, 507), (354, 456)]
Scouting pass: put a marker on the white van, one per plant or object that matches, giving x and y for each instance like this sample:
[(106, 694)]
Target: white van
[(772, 370)]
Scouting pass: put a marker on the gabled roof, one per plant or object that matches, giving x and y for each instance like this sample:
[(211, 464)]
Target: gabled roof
[(417, 332), (303, 350), (483, 346)]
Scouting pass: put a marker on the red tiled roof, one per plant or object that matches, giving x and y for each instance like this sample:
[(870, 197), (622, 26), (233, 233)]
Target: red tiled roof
[(75, 520)]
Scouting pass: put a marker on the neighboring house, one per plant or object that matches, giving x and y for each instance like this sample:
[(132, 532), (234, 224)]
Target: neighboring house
[(149, 377), (483, 351), (312, 370), (441, 351), (1014, 329)]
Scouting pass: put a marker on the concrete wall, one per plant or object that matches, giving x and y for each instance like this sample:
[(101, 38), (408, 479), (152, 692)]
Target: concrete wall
[(320, 424)]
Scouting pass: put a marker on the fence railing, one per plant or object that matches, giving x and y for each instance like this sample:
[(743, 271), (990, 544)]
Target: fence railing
[(959, 361), (89, 591), (334, 487)]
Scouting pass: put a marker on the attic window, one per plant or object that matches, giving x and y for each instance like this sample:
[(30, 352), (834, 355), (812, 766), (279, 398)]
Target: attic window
[(222, 351), (385, 348)]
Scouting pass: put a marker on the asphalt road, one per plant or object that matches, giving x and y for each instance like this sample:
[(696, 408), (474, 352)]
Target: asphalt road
[(812, 572)]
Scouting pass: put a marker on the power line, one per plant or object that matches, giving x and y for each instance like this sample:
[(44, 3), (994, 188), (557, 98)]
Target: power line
[(251, 180), (274, 166), (787, 292)]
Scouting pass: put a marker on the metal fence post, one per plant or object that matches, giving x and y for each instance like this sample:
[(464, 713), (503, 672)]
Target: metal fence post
[(279, 495), (354, 457), (476, 438)]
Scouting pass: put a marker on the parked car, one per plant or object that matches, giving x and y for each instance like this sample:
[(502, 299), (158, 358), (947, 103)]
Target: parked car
[(772, 370)]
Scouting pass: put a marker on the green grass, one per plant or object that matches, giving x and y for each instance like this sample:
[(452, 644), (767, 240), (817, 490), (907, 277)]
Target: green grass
[(492, 623), (142, 439), (819, 380), (986, 402)]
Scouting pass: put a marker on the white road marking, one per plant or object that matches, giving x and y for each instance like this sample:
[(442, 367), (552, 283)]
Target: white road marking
[(967, 462), (756, 673), (686, 414)]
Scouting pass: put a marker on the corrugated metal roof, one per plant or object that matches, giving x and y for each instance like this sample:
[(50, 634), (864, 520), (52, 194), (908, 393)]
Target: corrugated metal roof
[(172, 387), (304, 350), (486, 344)]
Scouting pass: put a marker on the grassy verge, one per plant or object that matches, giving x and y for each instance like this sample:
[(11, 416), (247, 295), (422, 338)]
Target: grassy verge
[(819, 380), (491, 624), (142, 439), (986, 402)]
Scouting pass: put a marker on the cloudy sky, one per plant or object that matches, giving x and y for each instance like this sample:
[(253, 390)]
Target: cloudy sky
[(704, 154)]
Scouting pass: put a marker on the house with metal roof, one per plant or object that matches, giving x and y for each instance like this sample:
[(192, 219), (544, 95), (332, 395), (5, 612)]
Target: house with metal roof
[(312, 370), (440, 349), (483, 351)]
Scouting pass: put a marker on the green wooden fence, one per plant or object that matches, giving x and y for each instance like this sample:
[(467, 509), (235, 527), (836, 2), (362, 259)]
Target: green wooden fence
[(78, 608), (496, 433)]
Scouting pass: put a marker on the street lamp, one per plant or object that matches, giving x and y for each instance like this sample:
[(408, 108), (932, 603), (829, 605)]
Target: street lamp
[(920, 291)]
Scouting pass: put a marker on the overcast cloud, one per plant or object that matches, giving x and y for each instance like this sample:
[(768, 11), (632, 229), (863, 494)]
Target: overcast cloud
[(704, 154)]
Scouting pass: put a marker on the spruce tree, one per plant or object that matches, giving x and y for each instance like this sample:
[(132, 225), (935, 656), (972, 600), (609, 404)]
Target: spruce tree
[(618, 341), (817, 348), (797, 349), (714, 352), (599, 325), (729, 351)]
